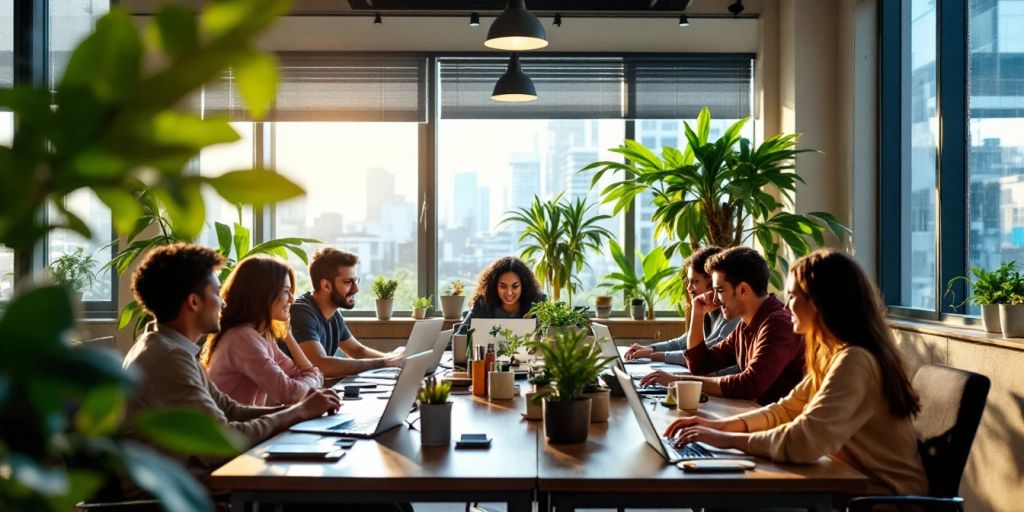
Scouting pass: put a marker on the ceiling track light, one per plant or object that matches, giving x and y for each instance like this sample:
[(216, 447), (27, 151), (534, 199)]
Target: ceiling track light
[(683, 20), (516, 29), (474, 20), (558, 20), (514, 85), (377, 20), (736, 8)]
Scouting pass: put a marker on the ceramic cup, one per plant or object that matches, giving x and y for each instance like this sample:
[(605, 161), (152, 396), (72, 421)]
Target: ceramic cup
[(534, 411), (687, 394), (501, 385)]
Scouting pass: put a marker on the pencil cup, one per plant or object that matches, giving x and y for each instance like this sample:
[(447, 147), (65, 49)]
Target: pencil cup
[(501, 385)]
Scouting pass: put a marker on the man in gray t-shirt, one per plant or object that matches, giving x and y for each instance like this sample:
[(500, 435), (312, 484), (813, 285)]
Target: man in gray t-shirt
[(318, 326)]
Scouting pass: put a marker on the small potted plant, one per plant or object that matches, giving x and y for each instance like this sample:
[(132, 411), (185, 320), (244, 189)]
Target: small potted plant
[(603, 304), (636, 308), (541, 380), (1011, 313), (500, 380), (553, 317), (510, 345), (452, 301), (420, 306), (435, 412), (384, 289), (987, 292), (574, 363), (75, 271)]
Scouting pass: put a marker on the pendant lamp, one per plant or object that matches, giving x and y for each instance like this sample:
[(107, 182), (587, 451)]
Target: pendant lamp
[(516, 29), (514, 85)]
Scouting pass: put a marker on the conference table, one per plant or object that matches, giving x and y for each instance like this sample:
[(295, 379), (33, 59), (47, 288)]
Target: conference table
[(614, 468)]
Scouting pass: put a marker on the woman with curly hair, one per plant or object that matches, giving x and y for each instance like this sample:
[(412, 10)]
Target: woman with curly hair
[(856, 402), (507, 288), (243, 359)]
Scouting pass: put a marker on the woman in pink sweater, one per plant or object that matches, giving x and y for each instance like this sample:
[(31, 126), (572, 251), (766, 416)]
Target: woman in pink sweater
[(243, 359), (856, 403)]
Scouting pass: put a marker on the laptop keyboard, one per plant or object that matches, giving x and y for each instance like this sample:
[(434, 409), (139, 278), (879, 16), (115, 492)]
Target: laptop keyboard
[(387, 371), (691, 451), (359, 425)]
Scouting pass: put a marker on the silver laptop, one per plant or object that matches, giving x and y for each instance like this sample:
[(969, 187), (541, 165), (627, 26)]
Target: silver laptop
[(483, 326), (661, 445), (371, 422), (604, 336), (423, 337)]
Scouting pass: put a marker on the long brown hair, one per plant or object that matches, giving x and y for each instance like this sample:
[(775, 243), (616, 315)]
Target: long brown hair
[(249, 292), (850, 314), (487, 283)]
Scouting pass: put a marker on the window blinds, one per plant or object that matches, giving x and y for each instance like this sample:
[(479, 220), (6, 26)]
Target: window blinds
[(626, 87), (334, 87)]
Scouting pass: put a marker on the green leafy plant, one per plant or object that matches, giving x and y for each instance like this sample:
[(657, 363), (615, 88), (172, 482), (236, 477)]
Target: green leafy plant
[(511, 343), (423, 302), (987, 287), (559, 234), (75, 271), (719, 193), (1012, 291), (573, 363), (603, 301), (456, 289), (434, 391), (114, 127), (384, 288), (651, 284), (540, 377), (558, 314)]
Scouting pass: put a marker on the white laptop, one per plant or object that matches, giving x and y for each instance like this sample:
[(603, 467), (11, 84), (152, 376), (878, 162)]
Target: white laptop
[(664, 447), (369, 422), (423, 337), (483, 326), (604, 336)]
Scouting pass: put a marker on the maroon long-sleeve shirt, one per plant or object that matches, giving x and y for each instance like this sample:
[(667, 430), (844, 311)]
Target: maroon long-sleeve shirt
[(769, 354)]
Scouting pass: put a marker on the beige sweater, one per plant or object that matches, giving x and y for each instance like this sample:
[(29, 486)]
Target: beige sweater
[(847, 418)]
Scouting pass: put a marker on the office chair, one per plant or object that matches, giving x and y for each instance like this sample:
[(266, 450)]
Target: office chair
[(952, 402)]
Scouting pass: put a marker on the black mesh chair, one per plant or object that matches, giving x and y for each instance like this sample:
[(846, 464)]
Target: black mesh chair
[(952, 402)]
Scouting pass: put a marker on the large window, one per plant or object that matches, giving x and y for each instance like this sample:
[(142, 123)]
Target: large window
[(953, 173), (217, 160), (6, 127)]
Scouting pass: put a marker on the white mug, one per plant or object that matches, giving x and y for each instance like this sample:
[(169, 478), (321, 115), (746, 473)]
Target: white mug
[(687, 394), (534, 411), (501, 385)]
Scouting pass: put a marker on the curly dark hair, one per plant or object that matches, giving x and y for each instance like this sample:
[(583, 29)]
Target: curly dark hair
[(699, 258), (487, 283), (741, 265), (169, 274)]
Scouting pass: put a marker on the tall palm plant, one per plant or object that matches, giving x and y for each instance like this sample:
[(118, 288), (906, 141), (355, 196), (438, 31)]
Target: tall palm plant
[(581, 233), (718, 193)]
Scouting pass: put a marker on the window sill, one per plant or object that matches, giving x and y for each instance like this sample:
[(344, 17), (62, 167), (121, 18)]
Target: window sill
[(977, 336)]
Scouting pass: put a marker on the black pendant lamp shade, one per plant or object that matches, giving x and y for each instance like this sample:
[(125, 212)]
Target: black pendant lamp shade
[(516, 29), (514, 85)]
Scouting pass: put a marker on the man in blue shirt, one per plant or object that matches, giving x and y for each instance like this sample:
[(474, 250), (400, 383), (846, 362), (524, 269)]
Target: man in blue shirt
[(318, 326)]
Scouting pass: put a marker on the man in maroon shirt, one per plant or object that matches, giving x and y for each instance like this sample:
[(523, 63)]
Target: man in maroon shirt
[(769, 354)]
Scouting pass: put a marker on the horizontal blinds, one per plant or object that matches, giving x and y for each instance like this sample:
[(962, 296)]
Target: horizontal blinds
[(334, 87), (626, 87)]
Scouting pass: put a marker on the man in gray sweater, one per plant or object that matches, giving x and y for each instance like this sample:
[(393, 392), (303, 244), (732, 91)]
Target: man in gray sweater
[(716, 326)]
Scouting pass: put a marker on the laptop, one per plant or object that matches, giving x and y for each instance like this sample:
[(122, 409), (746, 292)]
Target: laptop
[(371, 422), (608, 349), (664, 447), (422, 338), (483, 326)]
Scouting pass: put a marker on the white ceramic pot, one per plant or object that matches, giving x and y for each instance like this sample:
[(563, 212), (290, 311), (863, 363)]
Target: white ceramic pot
[(501, 385), (384, 308), (451, 306), (435, 424), (1011, 319), (990, 317), (534, 411), (599, 405), (419, 313)]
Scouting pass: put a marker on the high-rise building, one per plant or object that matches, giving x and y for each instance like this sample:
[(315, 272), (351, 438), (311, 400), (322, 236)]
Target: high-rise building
[(525, 178)]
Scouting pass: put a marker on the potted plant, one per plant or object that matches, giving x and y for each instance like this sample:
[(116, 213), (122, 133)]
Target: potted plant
[(452, 301), (509, 345), (603, 304), (75, 272), (384, 289), (500, 379), (714, 193), (1011, 313), (987, 292), (541, 380), (435, 412), (574, 363), (636, 308), (650, 284), (420, 306), (600, 401), (558, 317)]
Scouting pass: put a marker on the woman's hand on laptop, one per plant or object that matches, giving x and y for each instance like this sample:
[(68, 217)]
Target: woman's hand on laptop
[(689, 429), (637, 351), (317, 402)]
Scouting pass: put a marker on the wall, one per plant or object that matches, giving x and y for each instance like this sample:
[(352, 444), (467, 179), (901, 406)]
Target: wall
[(995, 470)]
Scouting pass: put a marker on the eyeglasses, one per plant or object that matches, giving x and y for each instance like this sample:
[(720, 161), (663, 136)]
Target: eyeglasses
[(350, 281)]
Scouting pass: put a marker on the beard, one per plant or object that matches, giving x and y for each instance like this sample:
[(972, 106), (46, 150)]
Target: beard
[(341, 301)]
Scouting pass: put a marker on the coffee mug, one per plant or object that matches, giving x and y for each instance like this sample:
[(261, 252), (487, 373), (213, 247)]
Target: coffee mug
[(687, 394)]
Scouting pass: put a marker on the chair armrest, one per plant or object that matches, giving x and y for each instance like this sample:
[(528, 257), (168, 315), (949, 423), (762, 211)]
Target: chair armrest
[(927, 503)]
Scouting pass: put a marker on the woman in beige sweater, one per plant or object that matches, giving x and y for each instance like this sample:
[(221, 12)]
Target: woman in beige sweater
[(856, 403)]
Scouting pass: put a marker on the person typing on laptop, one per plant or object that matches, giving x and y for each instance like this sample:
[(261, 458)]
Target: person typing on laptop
[(856, 402), (507, 288), (764, 347), (716, 326), (317, 323)]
